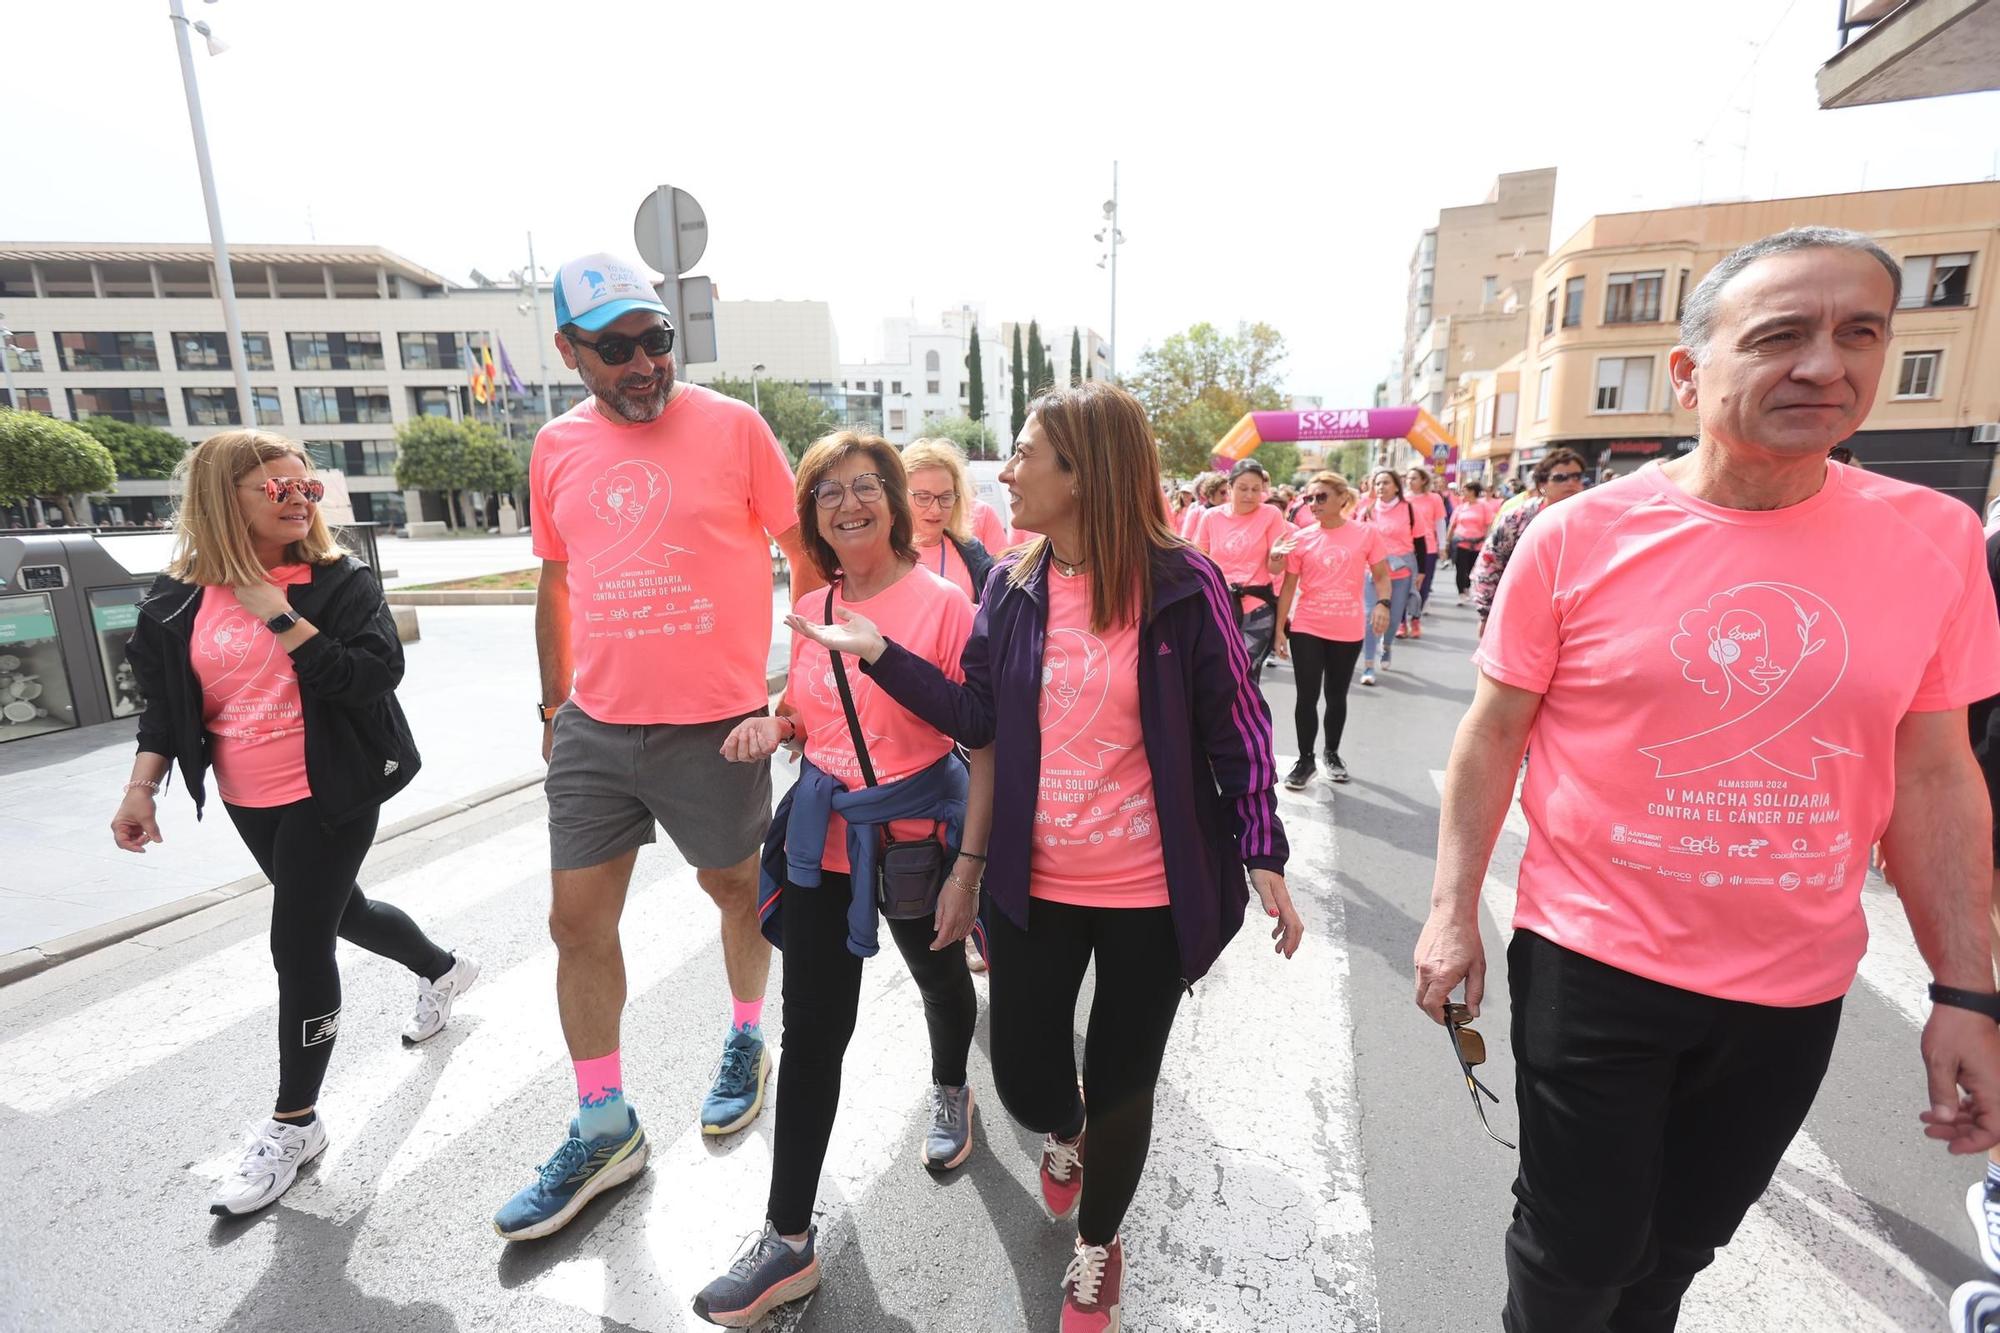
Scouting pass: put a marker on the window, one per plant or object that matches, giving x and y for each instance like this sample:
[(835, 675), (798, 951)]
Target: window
[(356, 458), (1633, 298), (1918, 377), (336, 351), (895, 386), (1624, 384), (1681, 301), (124, 278), (431, 402), (67, 279), (343, 407), (1549, 314), (1936, 280), (107, 351), (1510, 408), (930, 386), (431, 351), (210, 351), (878, 386), (1542, 388), (379, 507), (1573, 303), (211, 407), (17, 278), (1489, 290), (32, 400), (23, 352), (895, 418), (179, 278), (142, 407), (1487, 409), (270, 408)]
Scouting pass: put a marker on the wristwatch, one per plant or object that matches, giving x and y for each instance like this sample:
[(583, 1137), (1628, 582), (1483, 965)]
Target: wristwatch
[(281, 622), (547, 712), (1979, 1001)]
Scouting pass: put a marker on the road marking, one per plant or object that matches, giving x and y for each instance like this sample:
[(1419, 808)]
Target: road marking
[(108, 1042)]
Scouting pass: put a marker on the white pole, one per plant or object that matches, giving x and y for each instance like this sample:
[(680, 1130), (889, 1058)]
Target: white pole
[(1113, 353), (6, 344), (541, 343), (225, 278)]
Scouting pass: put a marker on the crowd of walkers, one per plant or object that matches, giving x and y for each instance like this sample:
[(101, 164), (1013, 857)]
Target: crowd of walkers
[(1036, 745)]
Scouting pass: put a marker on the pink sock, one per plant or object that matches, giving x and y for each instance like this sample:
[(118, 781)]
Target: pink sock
[(745, 1013), (600, 1096)]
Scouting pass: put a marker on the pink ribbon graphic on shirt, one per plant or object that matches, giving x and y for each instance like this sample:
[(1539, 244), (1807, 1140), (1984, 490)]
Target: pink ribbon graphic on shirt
[(634, 498), (229, 641), (1770, 654), (1075, 682)]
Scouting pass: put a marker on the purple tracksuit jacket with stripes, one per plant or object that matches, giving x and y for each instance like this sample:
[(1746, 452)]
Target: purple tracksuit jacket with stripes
[(1207, 729)]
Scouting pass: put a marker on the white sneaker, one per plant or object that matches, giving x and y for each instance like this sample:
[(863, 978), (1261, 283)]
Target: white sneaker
[(434, 1000), (1983, 1207), (271, 1161), (975, 961)]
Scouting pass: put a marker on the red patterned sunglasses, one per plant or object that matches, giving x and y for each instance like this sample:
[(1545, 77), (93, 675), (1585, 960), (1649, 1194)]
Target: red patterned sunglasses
[(280, 489)]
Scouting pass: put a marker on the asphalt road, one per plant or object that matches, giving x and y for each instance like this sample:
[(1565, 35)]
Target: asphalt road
[(1316, 1165)]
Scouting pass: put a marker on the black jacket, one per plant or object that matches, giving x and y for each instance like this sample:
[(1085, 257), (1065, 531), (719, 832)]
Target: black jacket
[(978, 562), (359, 751)]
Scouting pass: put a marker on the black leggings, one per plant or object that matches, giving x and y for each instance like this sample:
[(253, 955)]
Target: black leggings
[(314, 899), (1034, 979), (822, 996), (1465, 555), (1321, 663)]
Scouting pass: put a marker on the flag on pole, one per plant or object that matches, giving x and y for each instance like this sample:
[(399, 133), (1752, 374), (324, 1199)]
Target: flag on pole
[(469, 363), (514, 384), (487, 369)]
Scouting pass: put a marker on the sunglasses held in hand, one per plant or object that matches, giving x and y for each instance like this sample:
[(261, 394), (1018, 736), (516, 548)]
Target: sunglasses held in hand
[(1470, 1048)]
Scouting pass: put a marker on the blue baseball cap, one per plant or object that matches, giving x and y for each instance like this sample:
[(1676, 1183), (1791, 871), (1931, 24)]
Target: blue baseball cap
[(596, 289)]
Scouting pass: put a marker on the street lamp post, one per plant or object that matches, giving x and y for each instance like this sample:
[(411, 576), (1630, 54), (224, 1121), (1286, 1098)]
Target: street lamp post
[(1111, 236), (7, 345), (756, 400), (530, 280), (225, 277)]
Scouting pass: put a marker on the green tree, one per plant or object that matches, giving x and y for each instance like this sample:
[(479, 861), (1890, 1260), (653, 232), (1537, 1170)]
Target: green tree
[(138, 452), (1038, 361), (975, 439), (1351, 461), (1280, 458), (794, 415), (1199, 383), (1075, 357), (431, 455), (1020, 414), (975, 379), (42, 458)]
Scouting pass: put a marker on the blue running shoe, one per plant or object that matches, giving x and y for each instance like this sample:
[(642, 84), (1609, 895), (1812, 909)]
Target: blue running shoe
[(580, 1171), (766, 1275), (738, 1094)]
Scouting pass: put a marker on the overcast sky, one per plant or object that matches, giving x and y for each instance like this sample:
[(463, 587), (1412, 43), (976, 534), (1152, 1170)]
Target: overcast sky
[(1278, 160)]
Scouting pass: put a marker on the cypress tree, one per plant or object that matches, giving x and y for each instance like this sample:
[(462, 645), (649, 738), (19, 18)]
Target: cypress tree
[(1038, 360), (975, 380), (1075, 357), (1020, 396)]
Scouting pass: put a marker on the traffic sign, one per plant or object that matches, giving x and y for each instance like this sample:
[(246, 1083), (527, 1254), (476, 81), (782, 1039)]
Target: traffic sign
[(694, 317), (670, 230)]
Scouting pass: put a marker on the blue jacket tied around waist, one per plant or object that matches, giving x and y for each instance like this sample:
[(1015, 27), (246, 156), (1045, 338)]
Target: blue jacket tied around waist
[(796, 844)]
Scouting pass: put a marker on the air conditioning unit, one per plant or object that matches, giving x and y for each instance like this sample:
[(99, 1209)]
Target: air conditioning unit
[(1988, 433)]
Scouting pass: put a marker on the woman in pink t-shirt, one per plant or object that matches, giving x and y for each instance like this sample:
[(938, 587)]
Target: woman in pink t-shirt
[(266, 655), (1432, 515), (1133, 788), (941, 501), (856, 522), (1469, 525), (1395, 519), (1320, 618)]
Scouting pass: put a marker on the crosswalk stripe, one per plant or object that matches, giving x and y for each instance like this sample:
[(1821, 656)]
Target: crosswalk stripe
[(157, 1019), (1774, 1272)]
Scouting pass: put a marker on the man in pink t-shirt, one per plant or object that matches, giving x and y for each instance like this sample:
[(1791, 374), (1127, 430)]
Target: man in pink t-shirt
[(1740, 670), (654, 506), (1238, 535)]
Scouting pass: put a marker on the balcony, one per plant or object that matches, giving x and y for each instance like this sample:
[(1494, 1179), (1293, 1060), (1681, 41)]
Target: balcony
[(1921, 48)]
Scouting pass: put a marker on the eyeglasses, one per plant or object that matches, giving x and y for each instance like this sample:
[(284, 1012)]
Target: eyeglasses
[(280, 489), (1318, 498), (1565, 476), (1470, 1048), (867, 489), (616, 349), (926, 500)]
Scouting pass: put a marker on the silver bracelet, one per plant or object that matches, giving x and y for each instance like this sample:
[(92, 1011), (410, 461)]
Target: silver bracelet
[(141, 782)]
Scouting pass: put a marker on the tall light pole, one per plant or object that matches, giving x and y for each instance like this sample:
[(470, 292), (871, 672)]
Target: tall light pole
[(1111, 236), (530, 279), (225, 277), (6, 346), (756, 400)]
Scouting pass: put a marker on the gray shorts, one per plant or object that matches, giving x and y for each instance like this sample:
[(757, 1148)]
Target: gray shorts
[(608, 783)]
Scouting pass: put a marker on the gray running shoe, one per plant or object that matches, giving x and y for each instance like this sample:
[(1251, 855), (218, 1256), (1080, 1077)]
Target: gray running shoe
[(765, 1276), (950, 1141)]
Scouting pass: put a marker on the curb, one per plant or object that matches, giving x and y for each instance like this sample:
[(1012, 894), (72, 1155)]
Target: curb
[(25, 963)]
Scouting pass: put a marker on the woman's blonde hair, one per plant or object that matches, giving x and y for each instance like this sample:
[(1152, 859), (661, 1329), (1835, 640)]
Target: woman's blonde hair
[(938, 452), (211, 541), (1101, 438)]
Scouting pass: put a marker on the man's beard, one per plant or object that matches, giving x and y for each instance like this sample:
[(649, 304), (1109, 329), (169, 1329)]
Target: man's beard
[(634, 403)]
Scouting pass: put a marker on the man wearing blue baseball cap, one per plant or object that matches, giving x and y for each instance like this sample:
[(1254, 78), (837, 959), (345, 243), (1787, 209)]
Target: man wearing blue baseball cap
[(654, 506)]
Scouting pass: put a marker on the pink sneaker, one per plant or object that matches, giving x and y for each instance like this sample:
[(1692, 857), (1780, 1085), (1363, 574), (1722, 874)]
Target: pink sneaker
[(1062, 1175), (1091, 1287)]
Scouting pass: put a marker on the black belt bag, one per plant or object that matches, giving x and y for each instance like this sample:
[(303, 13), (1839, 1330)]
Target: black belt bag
[(909, 874)]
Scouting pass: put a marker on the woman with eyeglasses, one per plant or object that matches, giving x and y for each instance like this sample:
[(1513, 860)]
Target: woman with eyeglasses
[(266, 654), (1133, 789), (941, 508), (901, 780), (1321, 605), (1394, 518)]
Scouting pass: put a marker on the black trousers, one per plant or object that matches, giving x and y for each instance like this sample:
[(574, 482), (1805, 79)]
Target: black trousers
[(1322, 664), (1034, 978), (314, 901), (1651, 1119), (1463, 558), (822, 997), (1260, 628)]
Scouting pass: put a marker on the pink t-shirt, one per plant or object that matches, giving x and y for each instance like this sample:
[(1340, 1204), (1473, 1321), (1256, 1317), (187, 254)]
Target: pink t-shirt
[(1332, 565), (1397, 524), (1429, 508), (250, 700), (990, 527), (1191, 520), (1097, 837), (925, 614), (1241, 543), (1715, 751), (665, 527), (1470, 521), (945, 561)]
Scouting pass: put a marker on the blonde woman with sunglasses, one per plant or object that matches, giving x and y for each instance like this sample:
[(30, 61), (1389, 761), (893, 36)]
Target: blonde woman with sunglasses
[(266, 653)]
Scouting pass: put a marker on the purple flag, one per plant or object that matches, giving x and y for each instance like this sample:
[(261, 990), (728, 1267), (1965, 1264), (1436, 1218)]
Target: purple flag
[(507, 369)]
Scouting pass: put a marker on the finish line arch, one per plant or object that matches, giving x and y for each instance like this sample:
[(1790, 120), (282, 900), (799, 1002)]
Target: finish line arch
[(1413, 424)]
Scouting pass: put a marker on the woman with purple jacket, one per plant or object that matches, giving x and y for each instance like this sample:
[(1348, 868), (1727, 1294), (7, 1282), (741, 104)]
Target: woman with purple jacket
[(1133, 788)]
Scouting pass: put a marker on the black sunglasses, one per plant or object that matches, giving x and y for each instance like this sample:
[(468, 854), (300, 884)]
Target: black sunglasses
[(1470, 1048), (1318, 498), (1565, 476), (616, 349)]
